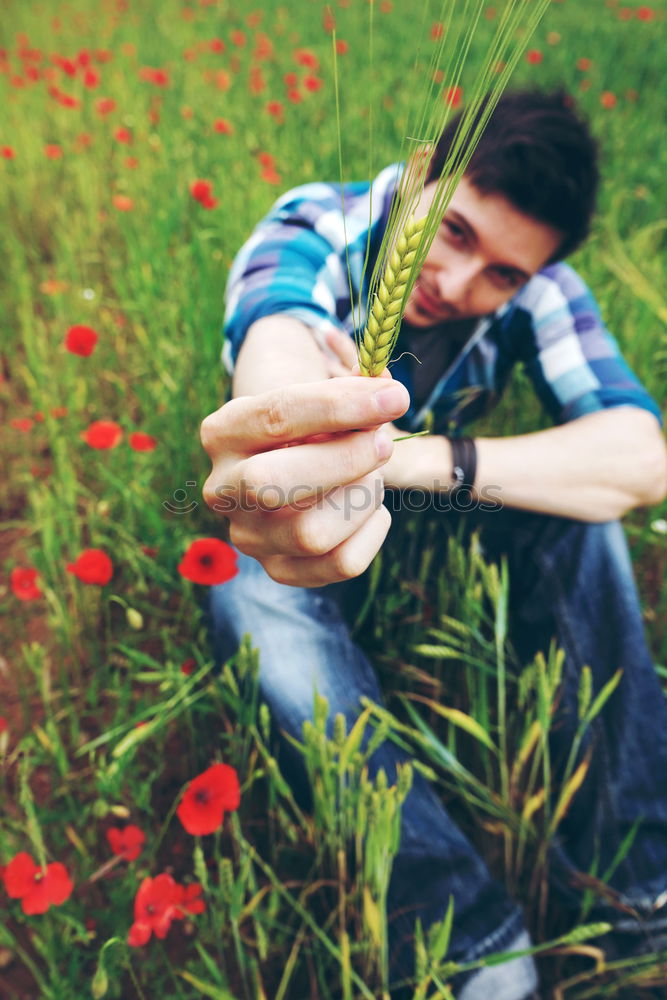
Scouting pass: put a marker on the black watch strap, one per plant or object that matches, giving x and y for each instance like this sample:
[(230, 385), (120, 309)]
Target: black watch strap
[(464, 463)]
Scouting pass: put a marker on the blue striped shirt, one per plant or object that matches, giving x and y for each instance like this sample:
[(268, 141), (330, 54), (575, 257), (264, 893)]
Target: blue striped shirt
[(306, 259)]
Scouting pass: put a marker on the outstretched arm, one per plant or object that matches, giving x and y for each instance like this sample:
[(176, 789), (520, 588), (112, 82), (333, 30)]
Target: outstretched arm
[(595, 468)]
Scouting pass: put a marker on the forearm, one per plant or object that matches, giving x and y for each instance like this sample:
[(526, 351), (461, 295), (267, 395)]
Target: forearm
[(277, 351), (593, 469)]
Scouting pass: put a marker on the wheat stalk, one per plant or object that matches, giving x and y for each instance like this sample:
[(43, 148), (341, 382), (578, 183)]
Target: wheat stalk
[(515, 26), (382, 325)]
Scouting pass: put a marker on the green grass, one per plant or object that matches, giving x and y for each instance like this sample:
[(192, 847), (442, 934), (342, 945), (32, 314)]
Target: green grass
[(294, 905)]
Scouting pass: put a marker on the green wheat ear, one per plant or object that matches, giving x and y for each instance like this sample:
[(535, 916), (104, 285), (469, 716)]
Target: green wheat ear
[(384, 318)]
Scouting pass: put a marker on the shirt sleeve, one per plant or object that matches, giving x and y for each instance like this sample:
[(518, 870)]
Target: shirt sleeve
[(573, 361), (291, 264)]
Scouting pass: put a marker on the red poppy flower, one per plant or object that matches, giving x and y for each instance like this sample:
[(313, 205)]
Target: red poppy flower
[(266, 160), (437, 30), (21, 423), (201, 190), (341, 46), (53, 151), (139, 441), (190, 899), (257, 82), (103, 435), (645, 13), (122, 202), (208, 561), (92, 566), (23, 582), (222, 126), (607, 99), (81, 340), (68, 66), (263, 48), (122, 134), (91, 78), (207, 798), (105, 105), (38, 889), (453, 96), (584, 64), (188, 666), (271, 176), (126, 841), (305, 57), (291, 79), (534, 57), (275, 109), (216, 45), (155, 907), (312, 83), (238, 38), (7, 153), (294, 96), (131, 162)]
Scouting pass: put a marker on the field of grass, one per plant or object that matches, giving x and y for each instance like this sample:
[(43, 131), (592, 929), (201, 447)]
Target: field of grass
[(139, 144)]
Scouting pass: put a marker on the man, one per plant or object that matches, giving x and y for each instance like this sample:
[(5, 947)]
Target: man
[(302, 440)]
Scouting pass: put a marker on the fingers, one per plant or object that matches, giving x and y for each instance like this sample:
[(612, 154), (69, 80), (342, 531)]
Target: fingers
[(312, 530), (249, 424), (346, 561), (347, 362), (343, 347), (289, 476), (336, 369)]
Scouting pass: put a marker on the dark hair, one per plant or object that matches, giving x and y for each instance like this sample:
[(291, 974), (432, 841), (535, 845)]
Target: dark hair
[(540, 155)]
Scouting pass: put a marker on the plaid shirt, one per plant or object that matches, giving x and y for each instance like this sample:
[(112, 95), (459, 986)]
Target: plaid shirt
[(305, 259)]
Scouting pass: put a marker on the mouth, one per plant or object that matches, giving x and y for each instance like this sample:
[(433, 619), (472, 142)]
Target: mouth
[(431, 307)]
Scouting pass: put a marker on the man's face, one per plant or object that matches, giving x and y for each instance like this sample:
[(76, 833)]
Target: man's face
[(484, 251)]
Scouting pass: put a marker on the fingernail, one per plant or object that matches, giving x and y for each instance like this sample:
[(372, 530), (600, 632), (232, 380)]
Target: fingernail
[(383, 443), (391, 401)]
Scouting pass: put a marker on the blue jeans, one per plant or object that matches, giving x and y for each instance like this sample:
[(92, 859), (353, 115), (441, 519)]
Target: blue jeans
[(569, 580)]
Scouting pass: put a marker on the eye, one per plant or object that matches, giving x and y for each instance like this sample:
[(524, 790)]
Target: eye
[(454, 232), (505, 279)]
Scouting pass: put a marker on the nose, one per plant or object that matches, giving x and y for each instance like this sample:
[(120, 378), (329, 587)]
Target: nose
[(455, 282)]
